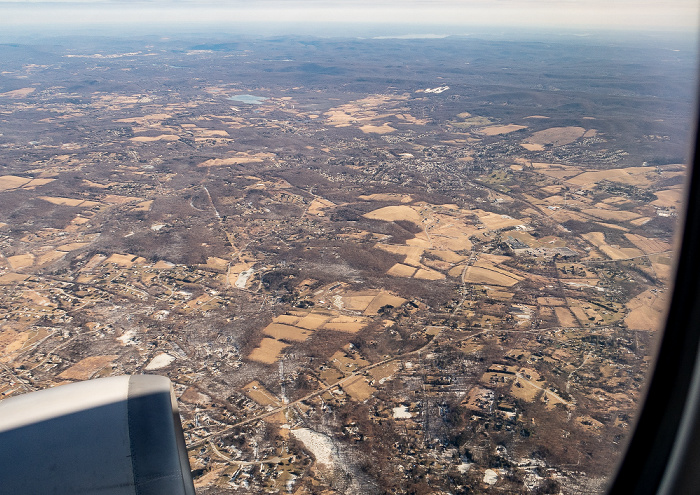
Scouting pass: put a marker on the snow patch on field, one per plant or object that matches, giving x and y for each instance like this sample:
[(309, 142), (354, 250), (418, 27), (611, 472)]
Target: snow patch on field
[(160, 361), (320, 445), (243, 277), (402, 412), (490, 477)]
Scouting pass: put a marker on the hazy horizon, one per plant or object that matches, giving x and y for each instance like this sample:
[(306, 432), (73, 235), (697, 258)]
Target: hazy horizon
[(347, 17)]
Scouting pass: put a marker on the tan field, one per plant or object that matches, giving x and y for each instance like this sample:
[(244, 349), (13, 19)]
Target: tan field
[(447, 256), (647, 311), (619, 253), (437, 264), (150, 139), (193, 396), (146, 119), (598, 240), (614, 226), (286, 332), (363, 111), (160, 265), (72, 246), (216, 263), (384, 371), (50, 257), (312, 321), (581, 314), (556, 171), (377, 129), (566, 319), (239, 159), (428, 274), (532, 147), (405, 198), (556, 136), (499, 295), (13, 341), (456, 271), (20, 261), (347, 363), (125, 260), (552, 399), (358, 301), (287, 319), (640, 221), (358, 388), (95, 261), (393, 213), (420, 240), (119, 200), (256, 391), (347, 324), (12, 278), (611, 215), (412, 253), (669, 198), (86, 368), (525, 390), (634, 176), (18, 93), (495, 130), (268, 352), (37, 298), (8, 182), (551, 301), (318, 205), (401, 270), (209, 132), (662, 264), (330, 375), (588, 423), (494, 221), (34, 183), (649, 246), (65, 201), (144, 206), (450, 234), (483, 272), (383, 299)]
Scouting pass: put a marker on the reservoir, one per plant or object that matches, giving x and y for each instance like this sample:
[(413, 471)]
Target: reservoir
[(250, 99)]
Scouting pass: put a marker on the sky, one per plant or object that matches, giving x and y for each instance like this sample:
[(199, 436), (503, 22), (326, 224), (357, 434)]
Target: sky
[(297, 15)]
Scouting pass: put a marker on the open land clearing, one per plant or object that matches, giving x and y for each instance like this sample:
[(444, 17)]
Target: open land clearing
[(18, 93), (240, 158), (268, 351), (496, 130), (256, 391), (632, 176), (615, 253), (394, 213), (150, 139), (555, 136), (87, 368), (483, 272), (495, 221), (670, 198), (646, 311), (20, 261)]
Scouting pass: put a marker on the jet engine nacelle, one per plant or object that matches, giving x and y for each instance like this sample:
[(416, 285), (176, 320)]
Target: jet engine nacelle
[(117, 435)]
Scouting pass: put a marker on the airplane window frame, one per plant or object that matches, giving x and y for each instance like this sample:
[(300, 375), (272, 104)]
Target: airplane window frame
[(663, 452)]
